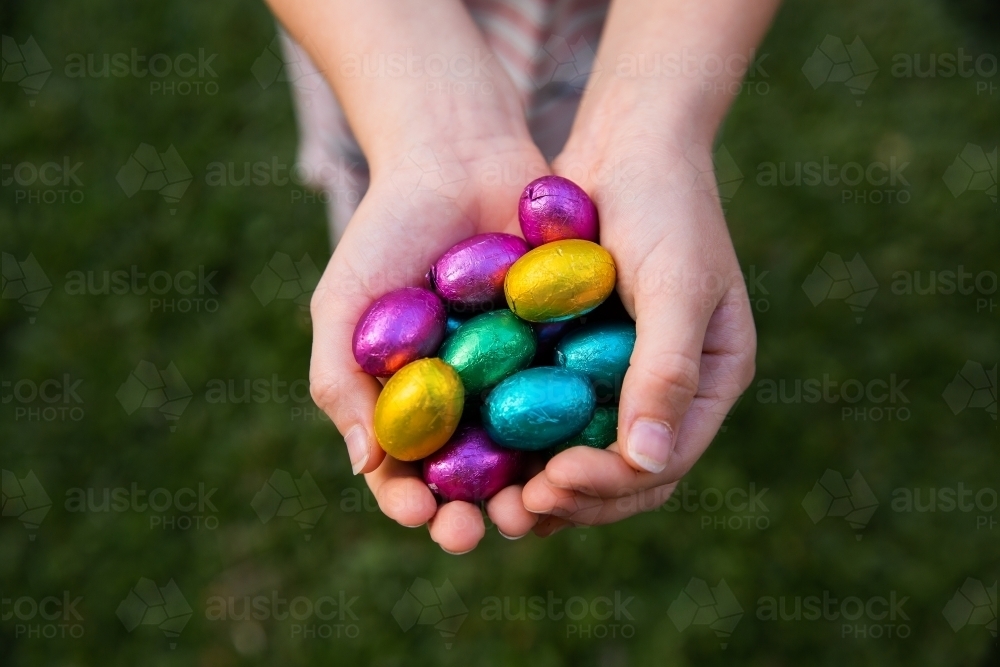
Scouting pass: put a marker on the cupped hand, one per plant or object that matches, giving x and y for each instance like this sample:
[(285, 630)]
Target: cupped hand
[(422, 200), (678, 277)]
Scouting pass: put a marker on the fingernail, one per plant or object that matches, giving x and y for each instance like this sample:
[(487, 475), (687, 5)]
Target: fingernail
[(456, 553), (509, 537), (649, 444), (357, 447)]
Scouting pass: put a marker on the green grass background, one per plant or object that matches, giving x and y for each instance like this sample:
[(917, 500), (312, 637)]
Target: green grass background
[(785, 448)]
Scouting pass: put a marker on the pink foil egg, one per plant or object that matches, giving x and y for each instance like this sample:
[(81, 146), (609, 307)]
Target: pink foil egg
[(402, 326), (553, 208), (471, 467), (470, 275)]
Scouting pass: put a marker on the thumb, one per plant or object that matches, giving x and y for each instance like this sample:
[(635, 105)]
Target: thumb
[(338, 385), (662, 378)]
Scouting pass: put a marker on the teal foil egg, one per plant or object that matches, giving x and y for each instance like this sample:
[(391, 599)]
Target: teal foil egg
[(452, 324), (601, 352), (488, 348), (599, 433), (538, 408)]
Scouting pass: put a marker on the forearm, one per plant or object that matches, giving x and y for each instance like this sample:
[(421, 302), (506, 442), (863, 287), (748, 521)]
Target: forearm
[(407, 72), (669, 68)]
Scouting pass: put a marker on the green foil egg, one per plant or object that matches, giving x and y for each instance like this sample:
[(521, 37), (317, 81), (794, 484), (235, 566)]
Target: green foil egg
[(488, 348), (602, 353), (538, 408), (599, 433)]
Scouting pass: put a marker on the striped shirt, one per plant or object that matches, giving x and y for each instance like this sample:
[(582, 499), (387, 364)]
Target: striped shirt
[(546, 47)]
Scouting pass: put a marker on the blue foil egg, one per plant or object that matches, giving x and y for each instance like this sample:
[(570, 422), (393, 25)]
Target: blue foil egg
[(452, 324), (602, 353), (538, 408)]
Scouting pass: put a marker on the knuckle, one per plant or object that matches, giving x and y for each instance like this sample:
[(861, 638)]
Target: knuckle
[(675, 372), (325, 392)]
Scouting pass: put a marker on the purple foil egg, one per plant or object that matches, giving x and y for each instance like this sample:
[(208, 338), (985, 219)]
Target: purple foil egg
[(470, 275), (402, 326), (553, 208), (471, 467)]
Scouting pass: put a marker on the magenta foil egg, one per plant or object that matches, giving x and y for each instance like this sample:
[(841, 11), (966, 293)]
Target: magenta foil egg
[(470, 275), (553, 208), (471, 467), (402, 326)]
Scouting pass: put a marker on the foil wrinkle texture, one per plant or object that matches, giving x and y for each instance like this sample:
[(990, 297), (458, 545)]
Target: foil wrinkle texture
[(538, 408), (399, 327)]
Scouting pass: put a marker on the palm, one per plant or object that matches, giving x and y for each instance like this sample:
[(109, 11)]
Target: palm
[(410, 216)]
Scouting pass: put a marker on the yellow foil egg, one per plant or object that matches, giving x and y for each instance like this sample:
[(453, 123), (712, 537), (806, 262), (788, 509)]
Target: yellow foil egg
[(418, 409), (560, 280)]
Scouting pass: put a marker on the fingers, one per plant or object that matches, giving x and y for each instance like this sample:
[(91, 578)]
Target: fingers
[(506, 510), (664, 374), (457, 527), (595, 512), (401, 493), (601, 473), (338, 385), (727, 367)]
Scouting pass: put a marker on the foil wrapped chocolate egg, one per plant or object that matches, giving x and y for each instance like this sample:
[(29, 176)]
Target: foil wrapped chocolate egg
[(488, 348), (399, 327), (599, 433), (419, 409), (602, 353), (452, 324), (548, 334), (470, 275), (553, 208), (538, 408), (471, 467), (560, 281)]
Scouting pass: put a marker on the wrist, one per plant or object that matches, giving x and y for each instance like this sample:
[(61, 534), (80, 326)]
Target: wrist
[(623, 117)]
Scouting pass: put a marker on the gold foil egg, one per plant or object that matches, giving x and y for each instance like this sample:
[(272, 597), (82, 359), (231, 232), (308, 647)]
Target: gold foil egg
[(560, 280), (418, 409)]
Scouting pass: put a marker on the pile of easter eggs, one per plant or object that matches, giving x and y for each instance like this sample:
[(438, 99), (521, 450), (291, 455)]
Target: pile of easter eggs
[(529, 371)]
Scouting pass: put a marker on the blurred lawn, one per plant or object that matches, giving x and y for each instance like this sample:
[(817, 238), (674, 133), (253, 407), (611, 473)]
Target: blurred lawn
[(781, 233)]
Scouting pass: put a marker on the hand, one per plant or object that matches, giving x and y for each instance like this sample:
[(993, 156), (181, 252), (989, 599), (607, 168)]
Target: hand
[(678, 277), (422, 201)]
